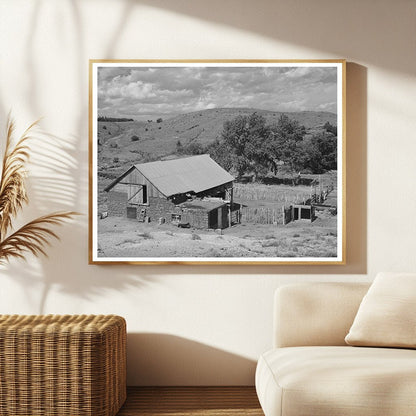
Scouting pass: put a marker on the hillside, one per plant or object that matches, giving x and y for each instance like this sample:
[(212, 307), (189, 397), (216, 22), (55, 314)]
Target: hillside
[(159, 139), (124, 143)]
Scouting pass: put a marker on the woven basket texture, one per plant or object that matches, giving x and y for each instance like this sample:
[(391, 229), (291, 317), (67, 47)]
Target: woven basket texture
[(62, 365)]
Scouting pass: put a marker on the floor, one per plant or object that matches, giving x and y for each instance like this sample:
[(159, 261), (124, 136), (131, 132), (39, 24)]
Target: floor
[(187, 401)]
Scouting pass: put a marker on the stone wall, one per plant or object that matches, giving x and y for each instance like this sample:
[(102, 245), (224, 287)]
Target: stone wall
[(117, 204), (164, 208), (161, 208), (197, 218)]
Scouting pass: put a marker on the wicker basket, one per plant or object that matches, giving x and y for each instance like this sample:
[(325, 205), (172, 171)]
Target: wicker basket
[(52, 365)]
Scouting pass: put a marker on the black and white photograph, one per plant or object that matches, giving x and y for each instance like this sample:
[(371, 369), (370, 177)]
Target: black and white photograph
[(213, 162)]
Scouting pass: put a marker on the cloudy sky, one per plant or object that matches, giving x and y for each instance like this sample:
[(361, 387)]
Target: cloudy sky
[(148, 92)]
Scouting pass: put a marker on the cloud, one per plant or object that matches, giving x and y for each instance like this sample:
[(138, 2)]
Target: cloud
[(171, 90), (298, 72)]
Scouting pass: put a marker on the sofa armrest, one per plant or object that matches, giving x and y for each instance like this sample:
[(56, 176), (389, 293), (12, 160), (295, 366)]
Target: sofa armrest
[(315, 313)]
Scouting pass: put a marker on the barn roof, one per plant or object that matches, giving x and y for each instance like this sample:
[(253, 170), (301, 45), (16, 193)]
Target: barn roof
[(204, 204), (178, 176)]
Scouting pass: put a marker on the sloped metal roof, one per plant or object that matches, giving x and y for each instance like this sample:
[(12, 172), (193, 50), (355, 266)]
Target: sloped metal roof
[(190, 174), (204, 204)]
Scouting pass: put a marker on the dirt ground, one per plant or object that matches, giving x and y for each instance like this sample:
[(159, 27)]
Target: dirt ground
[(122, 237)]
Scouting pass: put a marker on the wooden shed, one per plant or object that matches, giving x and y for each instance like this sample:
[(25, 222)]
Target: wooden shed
[(205, 214)]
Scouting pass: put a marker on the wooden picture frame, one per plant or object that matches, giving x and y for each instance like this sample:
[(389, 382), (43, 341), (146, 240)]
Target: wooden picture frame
[(217, 162)]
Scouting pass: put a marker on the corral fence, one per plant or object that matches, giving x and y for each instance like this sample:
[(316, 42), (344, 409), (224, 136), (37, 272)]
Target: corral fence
[(269, 193), (273, 216), (306, 211), (261, 215), (291, 208), (295, 181), (320, 194), (290, 180)]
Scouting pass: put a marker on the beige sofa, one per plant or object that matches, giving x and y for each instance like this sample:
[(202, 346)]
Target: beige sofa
[(312, 371)]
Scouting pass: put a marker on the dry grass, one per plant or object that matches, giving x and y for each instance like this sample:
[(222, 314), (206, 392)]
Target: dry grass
[(298, 239), (283, 194)]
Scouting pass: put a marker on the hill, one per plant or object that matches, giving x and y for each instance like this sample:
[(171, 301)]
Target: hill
[(123, 143)]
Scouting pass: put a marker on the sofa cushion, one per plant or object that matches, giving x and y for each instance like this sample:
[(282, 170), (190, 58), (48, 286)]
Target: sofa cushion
[(341, 381), (315, 314), (387, 314)]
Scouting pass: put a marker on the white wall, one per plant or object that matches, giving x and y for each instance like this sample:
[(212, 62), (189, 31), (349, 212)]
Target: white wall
[(204, 325)]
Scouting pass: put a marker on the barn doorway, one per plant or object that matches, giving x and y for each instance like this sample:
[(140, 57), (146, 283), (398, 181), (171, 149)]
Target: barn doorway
[(137, 194), (213, 219)]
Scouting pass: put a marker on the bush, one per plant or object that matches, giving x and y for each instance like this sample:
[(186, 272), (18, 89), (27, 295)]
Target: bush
[(145, 235), (270, 243), (116, 160), (159, 120), (134, 138), (113, 145)]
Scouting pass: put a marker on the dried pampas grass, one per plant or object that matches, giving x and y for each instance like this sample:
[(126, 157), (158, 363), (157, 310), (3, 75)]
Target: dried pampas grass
[(34, 236)]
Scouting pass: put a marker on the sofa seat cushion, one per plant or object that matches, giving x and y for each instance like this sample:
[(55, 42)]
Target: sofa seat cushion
[(341, 381)]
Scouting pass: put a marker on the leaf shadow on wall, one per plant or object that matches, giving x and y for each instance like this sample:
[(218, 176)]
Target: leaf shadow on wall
[(164, 359), (53, 186), (58, 180)]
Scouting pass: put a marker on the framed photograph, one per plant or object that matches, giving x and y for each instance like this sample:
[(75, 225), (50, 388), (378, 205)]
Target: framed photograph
[(217, 162)]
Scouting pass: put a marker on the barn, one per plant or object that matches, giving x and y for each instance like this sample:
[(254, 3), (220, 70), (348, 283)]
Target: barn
[(193, 191)]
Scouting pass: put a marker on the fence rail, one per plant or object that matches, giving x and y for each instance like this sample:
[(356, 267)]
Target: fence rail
[(261, 215), (284, 213), (268, 193), (320, 195)]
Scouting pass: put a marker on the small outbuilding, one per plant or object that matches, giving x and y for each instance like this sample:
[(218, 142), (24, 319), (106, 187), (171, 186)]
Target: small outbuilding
[(205, 214), (193, 190)]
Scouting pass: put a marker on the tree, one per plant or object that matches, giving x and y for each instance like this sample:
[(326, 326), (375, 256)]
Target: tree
[(221, 153), (330, 128), (245, 138), (321, 151), (285, 143), (249, 146), (194, 148)]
